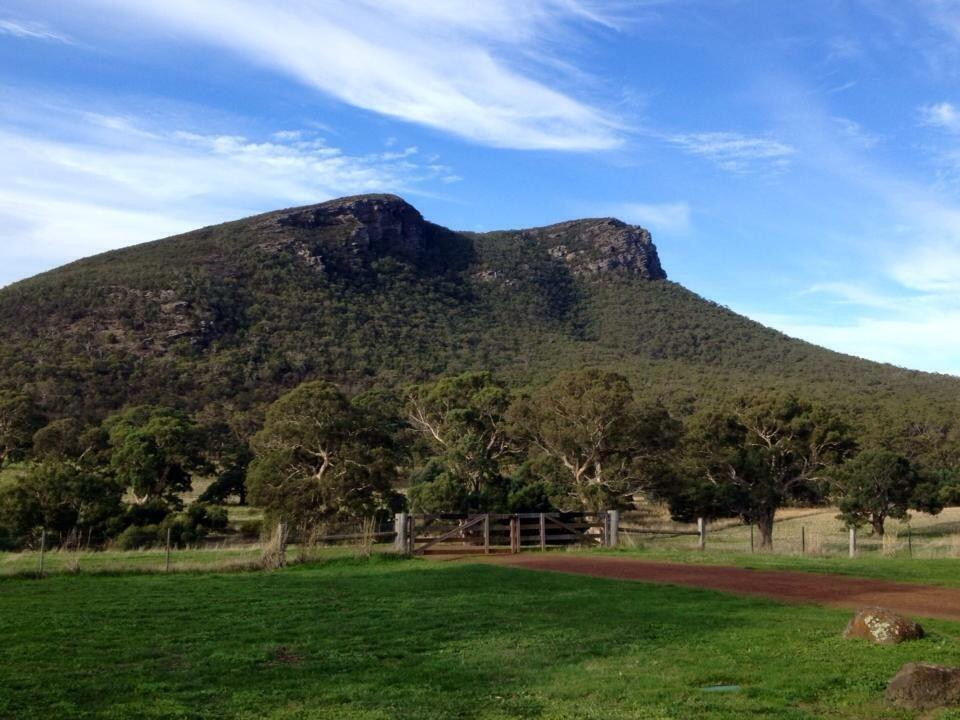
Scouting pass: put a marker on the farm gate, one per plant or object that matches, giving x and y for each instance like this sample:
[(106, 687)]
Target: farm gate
[(489, 533)]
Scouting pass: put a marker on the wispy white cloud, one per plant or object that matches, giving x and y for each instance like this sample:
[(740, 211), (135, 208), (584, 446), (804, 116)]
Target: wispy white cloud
[(30, 31), (922, 342), (484, 74), (856, 133), (116, 181), (942, 115), (849, 293), (658, 217), (733, 151)]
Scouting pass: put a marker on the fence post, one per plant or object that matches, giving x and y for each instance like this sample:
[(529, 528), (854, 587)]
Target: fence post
[(486, 534), (514, 541), (411, 533), (853, 542), (400, 528), (43, 548), (543, 532), (167, 563), (701, 534), (283, 534), (613, 518), (751, 537), (909, 542), (803, 540)]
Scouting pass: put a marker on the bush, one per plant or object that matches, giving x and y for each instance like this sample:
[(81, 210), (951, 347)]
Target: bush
[(137, 537), (252, 529), (208, 516)]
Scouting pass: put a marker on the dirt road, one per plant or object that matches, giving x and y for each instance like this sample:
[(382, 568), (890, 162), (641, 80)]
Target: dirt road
[(834, 590)]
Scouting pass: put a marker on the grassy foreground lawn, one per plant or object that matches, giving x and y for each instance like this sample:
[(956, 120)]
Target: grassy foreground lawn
[(388, 639)]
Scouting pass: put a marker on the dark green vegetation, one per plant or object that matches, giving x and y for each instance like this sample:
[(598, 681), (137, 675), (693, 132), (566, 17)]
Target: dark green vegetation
[(297, 354), (393, 640), (220, 321)]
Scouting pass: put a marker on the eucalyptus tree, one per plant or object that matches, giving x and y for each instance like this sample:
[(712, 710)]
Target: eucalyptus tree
[(591, 424), (320, 456)]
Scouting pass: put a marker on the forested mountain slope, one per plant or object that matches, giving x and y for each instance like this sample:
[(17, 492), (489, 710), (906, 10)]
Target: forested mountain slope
[(364, 291)]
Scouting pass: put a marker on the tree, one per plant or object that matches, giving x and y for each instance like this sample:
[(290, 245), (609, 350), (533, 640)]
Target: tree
[(155, 451), (19, 420), (228, 449), (59, 440), (751, 461), (879, 484), (319, 457), (61, 497), (69, 439), (590, 422), (462, 420)]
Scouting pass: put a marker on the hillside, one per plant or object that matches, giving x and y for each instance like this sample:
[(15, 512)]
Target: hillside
[(363, 290)]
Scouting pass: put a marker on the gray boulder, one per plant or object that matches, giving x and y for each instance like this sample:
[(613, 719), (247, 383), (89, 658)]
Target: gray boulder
[(921, 686)]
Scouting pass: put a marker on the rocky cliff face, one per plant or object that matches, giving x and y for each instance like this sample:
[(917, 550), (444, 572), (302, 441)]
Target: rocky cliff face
[(362, 226), (601, 246)]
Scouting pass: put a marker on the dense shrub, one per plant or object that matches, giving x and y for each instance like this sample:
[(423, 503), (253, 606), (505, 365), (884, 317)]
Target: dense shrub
[(251, 529), (137, 537)]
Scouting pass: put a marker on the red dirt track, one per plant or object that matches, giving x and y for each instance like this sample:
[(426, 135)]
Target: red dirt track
[(835, 590)]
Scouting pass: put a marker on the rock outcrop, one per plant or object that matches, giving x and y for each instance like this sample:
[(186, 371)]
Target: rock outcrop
[(601, 246), (921, 686), (882, 627), (361, 226)]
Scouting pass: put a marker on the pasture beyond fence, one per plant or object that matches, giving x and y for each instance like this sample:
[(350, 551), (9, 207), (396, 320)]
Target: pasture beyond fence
[(797, 531)]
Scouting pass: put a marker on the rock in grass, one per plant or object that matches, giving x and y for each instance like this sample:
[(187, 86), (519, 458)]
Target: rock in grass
[(883, 627), (921, 686)]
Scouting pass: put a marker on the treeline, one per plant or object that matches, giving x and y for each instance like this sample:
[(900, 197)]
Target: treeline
[(586, 440)]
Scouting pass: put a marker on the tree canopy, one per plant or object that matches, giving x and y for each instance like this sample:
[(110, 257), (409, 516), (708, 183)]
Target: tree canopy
[(320, 456)]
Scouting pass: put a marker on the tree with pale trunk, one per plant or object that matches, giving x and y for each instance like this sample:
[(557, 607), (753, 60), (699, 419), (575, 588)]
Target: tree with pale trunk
[(461, 420), (753, 460), (320, 456), (590, 423), (19, 420), (155, 451)]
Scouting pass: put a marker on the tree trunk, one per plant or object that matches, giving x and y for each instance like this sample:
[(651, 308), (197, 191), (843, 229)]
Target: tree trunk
[(877, 522), (765, 526)]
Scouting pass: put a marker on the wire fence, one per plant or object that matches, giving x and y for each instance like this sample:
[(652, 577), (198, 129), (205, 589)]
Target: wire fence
[(801, 531)]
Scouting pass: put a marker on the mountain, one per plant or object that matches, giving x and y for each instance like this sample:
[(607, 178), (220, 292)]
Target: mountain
[(364, 291)]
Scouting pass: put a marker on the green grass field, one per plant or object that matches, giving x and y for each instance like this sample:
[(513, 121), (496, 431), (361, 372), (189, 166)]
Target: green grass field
[(388, 638)]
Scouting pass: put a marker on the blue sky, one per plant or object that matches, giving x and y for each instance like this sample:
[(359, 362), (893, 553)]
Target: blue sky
[(797, 162)]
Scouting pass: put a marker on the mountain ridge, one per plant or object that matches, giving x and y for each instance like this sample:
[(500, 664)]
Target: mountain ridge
[(363, 290)]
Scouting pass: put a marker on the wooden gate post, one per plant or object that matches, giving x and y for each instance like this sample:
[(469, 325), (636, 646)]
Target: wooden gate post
[(514, 544), (400, 528), (43, 548), (701, 534), (411, 533), (486, 534), (613, 526), (853, 542), (166, 565), (543, 532)]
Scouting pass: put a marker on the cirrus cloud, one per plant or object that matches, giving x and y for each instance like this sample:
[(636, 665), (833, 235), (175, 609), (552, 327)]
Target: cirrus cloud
[(480, 76)]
